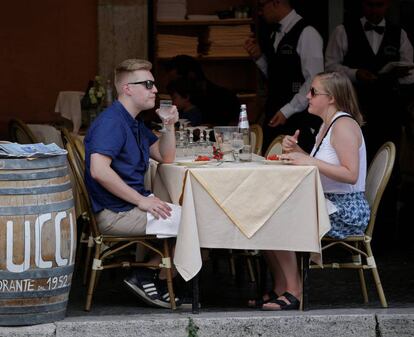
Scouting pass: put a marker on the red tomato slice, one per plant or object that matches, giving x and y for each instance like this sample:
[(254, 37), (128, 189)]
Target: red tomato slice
[(273, 157)]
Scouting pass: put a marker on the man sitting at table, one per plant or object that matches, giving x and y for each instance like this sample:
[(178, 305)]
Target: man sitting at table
[(118, 147)]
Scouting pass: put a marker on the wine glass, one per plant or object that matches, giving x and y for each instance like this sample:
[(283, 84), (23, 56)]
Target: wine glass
[(202, 128), (164, 112), (237, 144), (183, 122)]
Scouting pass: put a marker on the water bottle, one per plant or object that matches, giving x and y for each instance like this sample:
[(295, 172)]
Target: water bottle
[(245, 154), (108, 93)]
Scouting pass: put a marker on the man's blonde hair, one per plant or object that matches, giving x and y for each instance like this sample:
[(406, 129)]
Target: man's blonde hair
[(128, 66)]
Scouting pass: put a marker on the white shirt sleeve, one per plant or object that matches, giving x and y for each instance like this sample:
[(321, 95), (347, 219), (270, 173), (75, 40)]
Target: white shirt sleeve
[(310, 50), (406, 55), (261, 63), (335, 53)]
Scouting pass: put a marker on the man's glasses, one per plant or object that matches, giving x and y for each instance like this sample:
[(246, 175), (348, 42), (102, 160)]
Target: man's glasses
[(148, 83), (315, 92)]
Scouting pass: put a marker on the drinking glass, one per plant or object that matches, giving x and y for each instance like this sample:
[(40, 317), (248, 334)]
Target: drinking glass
[(237, 144), (223, 136), (164, 112)]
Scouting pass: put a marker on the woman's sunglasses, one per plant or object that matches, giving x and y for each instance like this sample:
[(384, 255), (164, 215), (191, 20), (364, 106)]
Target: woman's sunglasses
[(315, 92)]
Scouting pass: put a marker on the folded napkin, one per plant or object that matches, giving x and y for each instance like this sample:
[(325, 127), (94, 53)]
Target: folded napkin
[(164, 228), (250, 197)]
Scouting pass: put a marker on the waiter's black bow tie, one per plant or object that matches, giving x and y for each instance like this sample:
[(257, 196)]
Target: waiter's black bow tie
[(370, 26)]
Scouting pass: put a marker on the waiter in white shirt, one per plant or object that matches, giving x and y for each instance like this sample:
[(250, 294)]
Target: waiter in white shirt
[(360, 49), (289, 56)]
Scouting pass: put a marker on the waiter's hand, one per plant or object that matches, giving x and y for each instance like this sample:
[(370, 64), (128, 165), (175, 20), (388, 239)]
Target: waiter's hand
[(277, 119), (252, 47), (365, 76), (400, 71)]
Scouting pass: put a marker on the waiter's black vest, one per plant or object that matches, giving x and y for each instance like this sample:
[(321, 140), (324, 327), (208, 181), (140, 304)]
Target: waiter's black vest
[(284, 69), (360, 54)]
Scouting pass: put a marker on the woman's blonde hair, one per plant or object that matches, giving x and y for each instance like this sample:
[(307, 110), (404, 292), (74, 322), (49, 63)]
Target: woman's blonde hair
[(128, 66), (341, 89)]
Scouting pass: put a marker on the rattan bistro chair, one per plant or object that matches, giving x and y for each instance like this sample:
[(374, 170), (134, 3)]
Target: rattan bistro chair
[(83, 221), (377, 178), (109, 249), (19, 132), (256, 134), (275, 146)]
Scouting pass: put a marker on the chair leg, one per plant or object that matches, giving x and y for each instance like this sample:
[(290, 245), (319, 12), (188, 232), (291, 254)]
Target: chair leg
[(357, 259), (169, 275), (250, 269), (92, 280), (232, 264), (375, 274), (88, 257), (304, 266), (363, 285)]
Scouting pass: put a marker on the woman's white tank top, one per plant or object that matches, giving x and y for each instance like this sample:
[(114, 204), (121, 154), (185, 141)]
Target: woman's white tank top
[(328, 154)]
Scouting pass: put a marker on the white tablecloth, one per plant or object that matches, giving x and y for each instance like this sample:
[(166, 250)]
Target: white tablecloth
[(298, 224)]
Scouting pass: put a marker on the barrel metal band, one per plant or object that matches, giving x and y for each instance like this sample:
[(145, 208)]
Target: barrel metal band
[(30, 319), (37, 273), (38, 209), (33, 308), (35, 294), (29, 164), (60, 172), (36, 190)]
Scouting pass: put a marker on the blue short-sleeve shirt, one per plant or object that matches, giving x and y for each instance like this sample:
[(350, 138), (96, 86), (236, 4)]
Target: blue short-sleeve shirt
[(127, 141)]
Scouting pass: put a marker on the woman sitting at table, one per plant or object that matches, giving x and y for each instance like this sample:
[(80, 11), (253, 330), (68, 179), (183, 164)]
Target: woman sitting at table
[(340, 155)]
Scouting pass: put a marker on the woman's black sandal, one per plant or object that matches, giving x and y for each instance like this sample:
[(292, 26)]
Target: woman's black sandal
[(258, 302), (293, 305)]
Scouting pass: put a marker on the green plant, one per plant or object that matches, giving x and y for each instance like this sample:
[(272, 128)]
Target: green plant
[(97, 92), (192, 328)]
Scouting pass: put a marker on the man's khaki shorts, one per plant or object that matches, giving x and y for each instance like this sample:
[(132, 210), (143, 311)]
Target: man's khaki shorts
[(129, 223)]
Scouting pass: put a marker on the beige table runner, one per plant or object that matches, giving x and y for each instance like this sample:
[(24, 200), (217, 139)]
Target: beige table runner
[(239, 192)]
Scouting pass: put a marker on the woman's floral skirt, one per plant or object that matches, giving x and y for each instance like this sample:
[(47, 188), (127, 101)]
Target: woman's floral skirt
[(352, 216)]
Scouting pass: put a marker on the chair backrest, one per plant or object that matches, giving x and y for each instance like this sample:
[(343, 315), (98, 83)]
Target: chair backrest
[(19, 132), (80, 182), (275, 146), (379, 173), (256, 136), (77, 146)]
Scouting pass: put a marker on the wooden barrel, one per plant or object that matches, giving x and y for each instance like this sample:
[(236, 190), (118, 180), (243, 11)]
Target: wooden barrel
[(37, 240)]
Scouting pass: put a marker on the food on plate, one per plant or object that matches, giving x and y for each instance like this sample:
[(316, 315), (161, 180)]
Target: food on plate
[(273, 157), (217, 154), (202, 158)]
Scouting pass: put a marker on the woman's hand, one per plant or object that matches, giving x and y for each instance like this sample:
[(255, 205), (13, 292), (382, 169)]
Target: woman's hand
[(298, 158), (290, 143)]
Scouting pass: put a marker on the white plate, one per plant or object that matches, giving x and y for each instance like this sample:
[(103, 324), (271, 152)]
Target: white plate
[(194, 163), (275, 162)]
